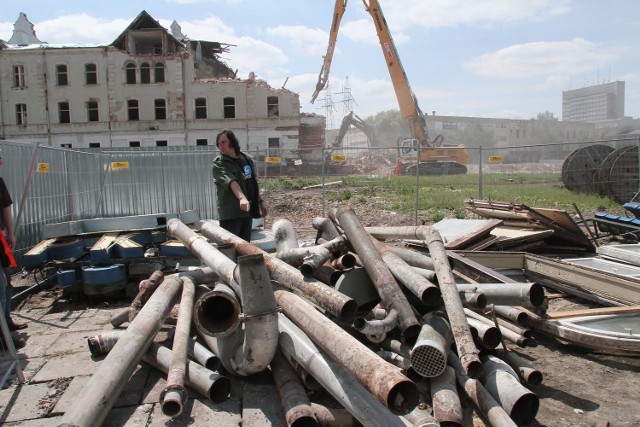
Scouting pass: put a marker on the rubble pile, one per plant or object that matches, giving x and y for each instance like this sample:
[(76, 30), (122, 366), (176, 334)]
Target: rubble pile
[(387, 331)]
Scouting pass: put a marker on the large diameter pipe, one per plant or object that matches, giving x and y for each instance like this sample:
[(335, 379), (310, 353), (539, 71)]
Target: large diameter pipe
[(315, 291), (381, 276), (526, 371), (502, 382), (486, 404), (430, 352), (174, 395), (521, 294), (455, 311), (293, 397), (447, 408), (206, 382), (217, 311), (284, 234), (251, 348), (384, 381), (105, 385), (335, 378), (426, 291)]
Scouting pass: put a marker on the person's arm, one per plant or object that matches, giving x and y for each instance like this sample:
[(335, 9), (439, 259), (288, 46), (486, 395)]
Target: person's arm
[(6, 220), (263, 207), (244, 203)]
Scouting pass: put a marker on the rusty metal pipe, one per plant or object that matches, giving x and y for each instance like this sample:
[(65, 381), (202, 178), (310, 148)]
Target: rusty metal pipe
[(306, 378), (174, 396), (514, 314), (203, 355), (202, 380), (293, 397), (444, 396), (327, 229), (421, 418), (327, 274), (398, 233), (525, 370), (284, 234), (334, 417), (473, 299), (520, 294), (335, 377), (417, 284), (455, 311), (344, 262), (429, 353), (486, 404), (414, 258), (505, 333), (390, 387), (217, 312), (395, 359), (380, 275), (315, 291), (376, 326), (120, 317), (489, 335), (103, 388), (502, 383), (427, 274)]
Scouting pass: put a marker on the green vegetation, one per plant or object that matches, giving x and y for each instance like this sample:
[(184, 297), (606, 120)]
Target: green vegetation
[(444, 196)]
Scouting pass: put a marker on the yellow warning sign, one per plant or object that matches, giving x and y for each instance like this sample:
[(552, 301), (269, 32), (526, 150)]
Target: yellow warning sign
[(496, 159), (43, 167), (119, 165), (273, 160), (338, 158)]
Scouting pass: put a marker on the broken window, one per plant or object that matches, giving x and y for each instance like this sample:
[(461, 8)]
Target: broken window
[(18, 76), (132, 109), (21, 114), (274, 147), (272, 106), (91, 74), (201, 108), (68, 145), (64, 115), (92, 111), (158, 71), (62, 76), (161, 109), (94, 145), (229, 107), (145, 73), (134, 143), (161, 143), (202, 141), (131, 74)]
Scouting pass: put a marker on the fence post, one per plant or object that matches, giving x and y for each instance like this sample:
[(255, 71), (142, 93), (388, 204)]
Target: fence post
[(324, 159), (480, 173), (415, 219)]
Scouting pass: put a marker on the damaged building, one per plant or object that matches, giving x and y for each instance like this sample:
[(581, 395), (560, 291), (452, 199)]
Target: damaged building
[(150, 87)]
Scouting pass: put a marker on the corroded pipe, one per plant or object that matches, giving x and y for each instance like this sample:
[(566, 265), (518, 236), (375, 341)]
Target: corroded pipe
[(376, 326), (334, 417), (327, 274), (344, 262), (293, 397), (447, 408), (174, 396), (395, 359), (284, 234), (103, 388), (421, 418), (146, 287), (489, 335), (473, 299), (203, 355), (335, 378), (315, 291), (217, 312), (399, 232), (326, 229), (525, 370), (381, 276), (502, 382), (521, 294), (429, 353), (384, 381), (505, 333), (514, 314), (413, 258), (426, 291), (483, 400), (455, 311), (307, 259), (204, 381)]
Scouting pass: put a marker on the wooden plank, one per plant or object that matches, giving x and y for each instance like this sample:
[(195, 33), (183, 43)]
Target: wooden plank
[(592, 312)]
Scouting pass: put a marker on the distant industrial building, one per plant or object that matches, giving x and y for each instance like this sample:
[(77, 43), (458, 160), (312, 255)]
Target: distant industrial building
[(594, 103)]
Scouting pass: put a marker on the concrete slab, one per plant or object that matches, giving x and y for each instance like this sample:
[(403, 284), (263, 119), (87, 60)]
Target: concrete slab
[(24, 402), (72, 342), (29, 368), (156, 382), (73, 390), (131, 416), (39, 422), (37, 344), (66, 366), (260, 406)]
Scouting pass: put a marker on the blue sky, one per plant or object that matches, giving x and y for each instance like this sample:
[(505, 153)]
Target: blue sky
[(481, 58)]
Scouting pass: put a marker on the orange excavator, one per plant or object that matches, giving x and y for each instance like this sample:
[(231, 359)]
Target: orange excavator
[(434, 158)]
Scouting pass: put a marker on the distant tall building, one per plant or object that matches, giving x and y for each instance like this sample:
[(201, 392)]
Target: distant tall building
[(594, 103)]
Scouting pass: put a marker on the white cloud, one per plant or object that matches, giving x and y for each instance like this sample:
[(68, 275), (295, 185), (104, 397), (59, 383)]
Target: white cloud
[(307, 41), (550, 59), (79, 28)]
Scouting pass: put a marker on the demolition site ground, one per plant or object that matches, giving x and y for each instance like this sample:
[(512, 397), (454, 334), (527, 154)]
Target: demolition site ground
[(580, 387)]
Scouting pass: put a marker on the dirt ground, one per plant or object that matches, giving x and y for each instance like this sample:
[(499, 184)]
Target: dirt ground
[(580, 387)]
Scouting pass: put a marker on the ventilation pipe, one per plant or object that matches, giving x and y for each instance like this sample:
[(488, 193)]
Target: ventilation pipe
[(429, 354)]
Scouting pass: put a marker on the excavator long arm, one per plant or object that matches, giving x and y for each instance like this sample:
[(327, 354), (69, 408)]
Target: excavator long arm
[(338, 12)]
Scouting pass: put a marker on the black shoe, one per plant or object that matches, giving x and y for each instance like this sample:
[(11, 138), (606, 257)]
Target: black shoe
[(13, 326)]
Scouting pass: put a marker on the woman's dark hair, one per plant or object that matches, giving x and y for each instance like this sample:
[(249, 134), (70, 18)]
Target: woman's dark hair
[(233, 141)]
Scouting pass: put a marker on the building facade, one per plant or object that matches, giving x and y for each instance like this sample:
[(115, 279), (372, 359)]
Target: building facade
[(149, 87), (594, 103)]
